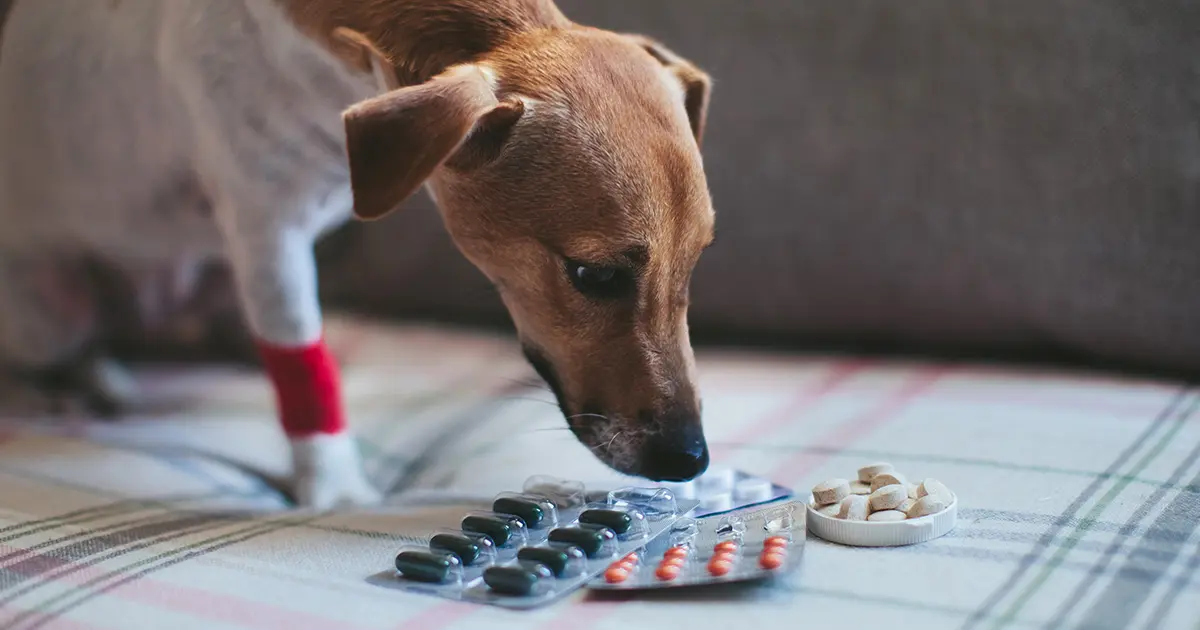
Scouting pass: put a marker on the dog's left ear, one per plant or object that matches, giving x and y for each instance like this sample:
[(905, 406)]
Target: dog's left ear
[(697, 85), (396, 141)]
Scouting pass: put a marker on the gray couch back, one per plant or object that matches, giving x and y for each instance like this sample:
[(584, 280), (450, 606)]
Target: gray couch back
[(994, 176)]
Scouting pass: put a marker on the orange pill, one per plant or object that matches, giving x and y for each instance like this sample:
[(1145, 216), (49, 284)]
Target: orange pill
[(667, 572), (771, 561), (728, 545), (724, 556), (627, 565), (615, 575), (675, 551), (775, 541), (719, 567), (674, 562)]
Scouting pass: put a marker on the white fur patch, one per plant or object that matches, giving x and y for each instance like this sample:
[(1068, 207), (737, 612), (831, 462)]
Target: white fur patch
[(489, 73), (327, 472)]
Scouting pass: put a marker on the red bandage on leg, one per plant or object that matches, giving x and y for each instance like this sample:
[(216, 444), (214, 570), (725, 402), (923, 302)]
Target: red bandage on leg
[(307, 388)]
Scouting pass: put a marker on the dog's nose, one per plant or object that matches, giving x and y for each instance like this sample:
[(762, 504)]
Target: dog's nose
[(675, 456)]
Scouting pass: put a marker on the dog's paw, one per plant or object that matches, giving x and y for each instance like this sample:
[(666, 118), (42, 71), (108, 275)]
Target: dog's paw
[(324, 492), (108, 386), (327, 473)]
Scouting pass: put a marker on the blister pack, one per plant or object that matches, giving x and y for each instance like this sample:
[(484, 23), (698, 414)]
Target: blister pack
[(720, 490), (748, 545), (536, 545)]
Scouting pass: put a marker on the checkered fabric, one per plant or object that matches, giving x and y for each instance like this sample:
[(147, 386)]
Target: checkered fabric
[(1080, 495)]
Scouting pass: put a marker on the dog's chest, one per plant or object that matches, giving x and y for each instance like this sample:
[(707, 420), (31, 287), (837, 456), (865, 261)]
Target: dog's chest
[(268, 102)]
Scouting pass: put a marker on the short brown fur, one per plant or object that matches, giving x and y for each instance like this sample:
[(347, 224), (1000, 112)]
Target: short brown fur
[(548, 145)]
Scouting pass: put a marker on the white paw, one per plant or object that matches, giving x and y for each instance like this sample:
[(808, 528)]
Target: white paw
[(327, 472), (111, 380)]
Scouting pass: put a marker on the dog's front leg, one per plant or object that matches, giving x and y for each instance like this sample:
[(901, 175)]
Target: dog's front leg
[(277, 284)]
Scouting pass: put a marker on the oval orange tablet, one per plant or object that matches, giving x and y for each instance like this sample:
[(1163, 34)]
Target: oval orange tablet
[(776, 541), (771, 561), (724, 556), (667, 572), (728, 545), (632, 557), (675, 551), (615, 575), (719, 567), (674, 562)]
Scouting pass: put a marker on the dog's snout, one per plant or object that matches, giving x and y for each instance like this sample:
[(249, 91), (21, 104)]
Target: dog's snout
[(678, 452), (665, 458)]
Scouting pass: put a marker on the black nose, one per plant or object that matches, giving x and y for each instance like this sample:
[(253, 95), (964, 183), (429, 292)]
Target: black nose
[(675, 457)]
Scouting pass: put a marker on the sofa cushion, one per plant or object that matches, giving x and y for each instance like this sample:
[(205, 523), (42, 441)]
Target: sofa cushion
[(993, 177)]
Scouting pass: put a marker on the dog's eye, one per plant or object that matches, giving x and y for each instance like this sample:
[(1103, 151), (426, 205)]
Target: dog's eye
[(599, 281)]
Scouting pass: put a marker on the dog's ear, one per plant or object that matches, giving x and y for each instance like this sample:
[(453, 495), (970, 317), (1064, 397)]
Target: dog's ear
[(697, 85), (395, 141)]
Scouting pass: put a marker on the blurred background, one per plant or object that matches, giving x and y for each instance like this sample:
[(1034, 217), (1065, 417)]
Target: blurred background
[(1007, 178), (996, 178)]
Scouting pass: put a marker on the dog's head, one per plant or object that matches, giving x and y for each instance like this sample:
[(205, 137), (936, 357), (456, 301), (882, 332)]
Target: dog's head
[(566, 164)]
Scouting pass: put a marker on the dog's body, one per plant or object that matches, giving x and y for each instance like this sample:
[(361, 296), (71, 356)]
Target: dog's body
[(163, 135)]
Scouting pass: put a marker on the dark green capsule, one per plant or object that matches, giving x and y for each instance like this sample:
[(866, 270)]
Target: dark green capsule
[(592, 527), (424, 566), (526, 510), (466, 549), (554, 558), (589, 538), (498, 529), (519, 581), (616, 520)]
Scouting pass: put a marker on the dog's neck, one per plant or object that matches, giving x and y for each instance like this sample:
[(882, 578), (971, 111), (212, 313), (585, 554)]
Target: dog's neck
[(424, 37)]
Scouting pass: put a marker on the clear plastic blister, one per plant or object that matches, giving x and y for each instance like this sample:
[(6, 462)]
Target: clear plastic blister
[(654, 503), (747, 545), (625, 520), (539, 512), (538, 544), (474, 550), (565, 493), (431, 571), (508, 532)]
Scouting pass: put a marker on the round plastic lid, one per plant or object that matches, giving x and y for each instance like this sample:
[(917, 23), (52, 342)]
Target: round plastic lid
[(880, 533)]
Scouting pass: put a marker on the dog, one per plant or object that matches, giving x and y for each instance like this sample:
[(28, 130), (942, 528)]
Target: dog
[(162, 136)]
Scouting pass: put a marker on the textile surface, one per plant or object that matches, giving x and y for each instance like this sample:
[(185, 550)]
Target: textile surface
[(1080, 494)]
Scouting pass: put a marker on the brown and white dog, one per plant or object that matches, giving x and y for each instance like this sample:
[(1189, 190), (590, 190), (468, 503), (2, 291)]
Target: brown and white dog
[(564, 159)]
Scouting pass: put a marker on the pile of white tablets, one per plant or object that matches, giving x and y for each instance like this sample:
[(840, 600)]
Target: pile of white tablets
[(880, 494)]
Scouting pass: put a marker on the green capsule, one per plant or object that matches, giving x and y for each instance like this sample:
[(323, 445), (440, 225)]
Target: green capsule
[(424, 566), (526, 510), (588, 538), (519, 581), (466, 549), (498, 529), (554, 558), (616, 520)]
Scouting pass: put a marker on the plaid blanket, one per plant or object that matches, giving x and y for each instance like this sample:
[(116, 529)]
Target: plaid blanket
[(1080, 495)]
